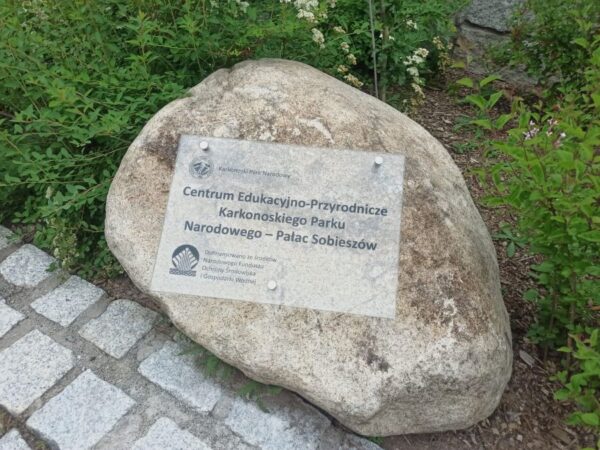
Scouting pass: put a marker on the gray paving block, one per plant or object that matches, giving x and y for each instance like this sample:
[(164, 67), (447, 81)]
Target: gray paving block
[(7, 238), (281, 428), (353, 442), (84, 412), (27, 267), (64, 304), (166, 435), (8, 317), (180, 375), (118, 329), (30, 367), (13, 441)]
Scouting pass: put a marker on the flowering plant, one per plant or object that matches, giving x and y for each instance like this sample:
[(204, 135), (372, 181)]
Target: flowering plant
[(389, 47)]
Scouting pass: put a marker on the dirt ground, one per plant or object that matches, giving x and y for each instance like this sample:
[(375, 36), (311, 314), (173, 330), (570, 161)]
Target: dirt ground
[(528, 417)]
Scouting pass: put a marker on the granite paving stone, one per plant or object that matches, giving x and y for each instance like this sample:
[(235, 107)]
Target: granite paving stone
[(278, 429), (6, 237), (27, 267), (13, 441), (179, 374), (8, 317), (354, 442), (118, 329), (166, 435), (64, 304), (30, 367), (84, 412)]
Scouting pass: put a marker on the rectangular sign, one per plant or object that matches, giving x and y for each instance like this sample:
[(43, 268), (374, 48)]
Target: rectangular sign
[(283, 224)]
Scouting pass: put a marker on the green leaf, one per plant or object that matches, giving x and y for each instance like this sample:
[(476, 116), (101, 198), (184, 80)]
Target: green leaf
[(494, 99), (510, 249), (477, 100), (531, 295), (544, 267), (483, 123), (467, 82), (591, 236), (502, 120), (582, 42), (590, 419), (487, 80)]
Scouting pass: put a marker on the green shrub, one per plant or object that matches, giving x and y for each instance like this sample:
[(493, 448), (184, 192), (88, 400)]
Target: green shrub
[(550, 177), (547, 37), (583, 387), (80, 79), (547, 171), (412, 41)]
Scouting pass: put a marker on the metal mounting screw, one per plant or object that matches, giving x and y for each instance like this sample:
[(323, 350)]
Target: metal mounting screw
[(272, 285), (204, 145), (378, 161)]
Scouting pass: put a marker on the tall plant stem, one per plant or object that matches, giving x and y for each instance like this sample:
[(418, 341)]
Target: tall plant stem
[(385, 35), (374, 49)]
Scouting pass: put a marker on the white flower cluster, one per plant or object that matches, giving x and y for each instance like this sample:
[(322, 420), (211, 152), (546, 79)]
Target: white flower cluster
[(349, 56), (437, 42), (318, 37), (351, 79), (417, 57), (306, 9), (243, 5), (412, 62), (411, 24), (534, 130)]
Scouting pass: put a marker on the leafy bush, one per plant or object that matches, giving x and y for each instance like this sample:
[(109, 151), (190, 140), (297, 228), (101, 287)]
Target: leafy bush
[(411, 40), (547, 38), (549, 175), (583, 387), (80, 79), (547, 171)]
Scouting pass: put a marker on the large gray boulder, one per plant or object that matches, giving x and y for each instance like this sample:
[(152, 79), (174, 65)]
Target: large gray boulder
[(445, 359), (493, 15)]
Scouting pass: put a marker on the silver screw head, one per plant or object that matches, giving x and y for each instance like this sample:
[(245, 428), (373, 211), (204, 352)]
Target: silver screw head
[(272, 285), (204, 145), (378, 161)]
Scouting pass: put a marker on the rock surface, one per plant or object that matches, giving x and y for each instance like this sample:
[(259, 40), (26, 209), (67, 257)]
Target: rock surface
[(494, 15), (445, 359), (483, 25)]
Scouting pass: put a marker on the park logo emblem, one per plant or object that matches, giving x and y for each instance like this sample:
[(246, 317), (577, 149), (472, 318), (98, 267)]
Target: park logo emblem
[(185, 258), (201, 168)]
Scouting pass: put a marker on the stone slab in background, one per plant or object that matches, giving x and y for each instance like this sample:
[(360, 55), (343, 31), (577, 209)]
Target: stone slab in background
[(8, 317), (84, 412), (30, 367), (483, 25), (494, 15), (13, 441), (445, 359), (178, 373), (65, 303), (166, 435), (119, 328)]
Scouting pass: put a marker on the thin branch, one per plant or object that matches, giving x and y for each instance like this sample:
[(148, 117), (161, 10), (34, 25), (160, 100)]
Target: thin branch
[(372, 20)]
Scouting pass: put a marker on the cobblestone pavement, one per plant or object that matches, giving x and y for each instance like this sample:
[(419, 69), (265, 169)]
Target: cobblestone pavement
[(80, 370)]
